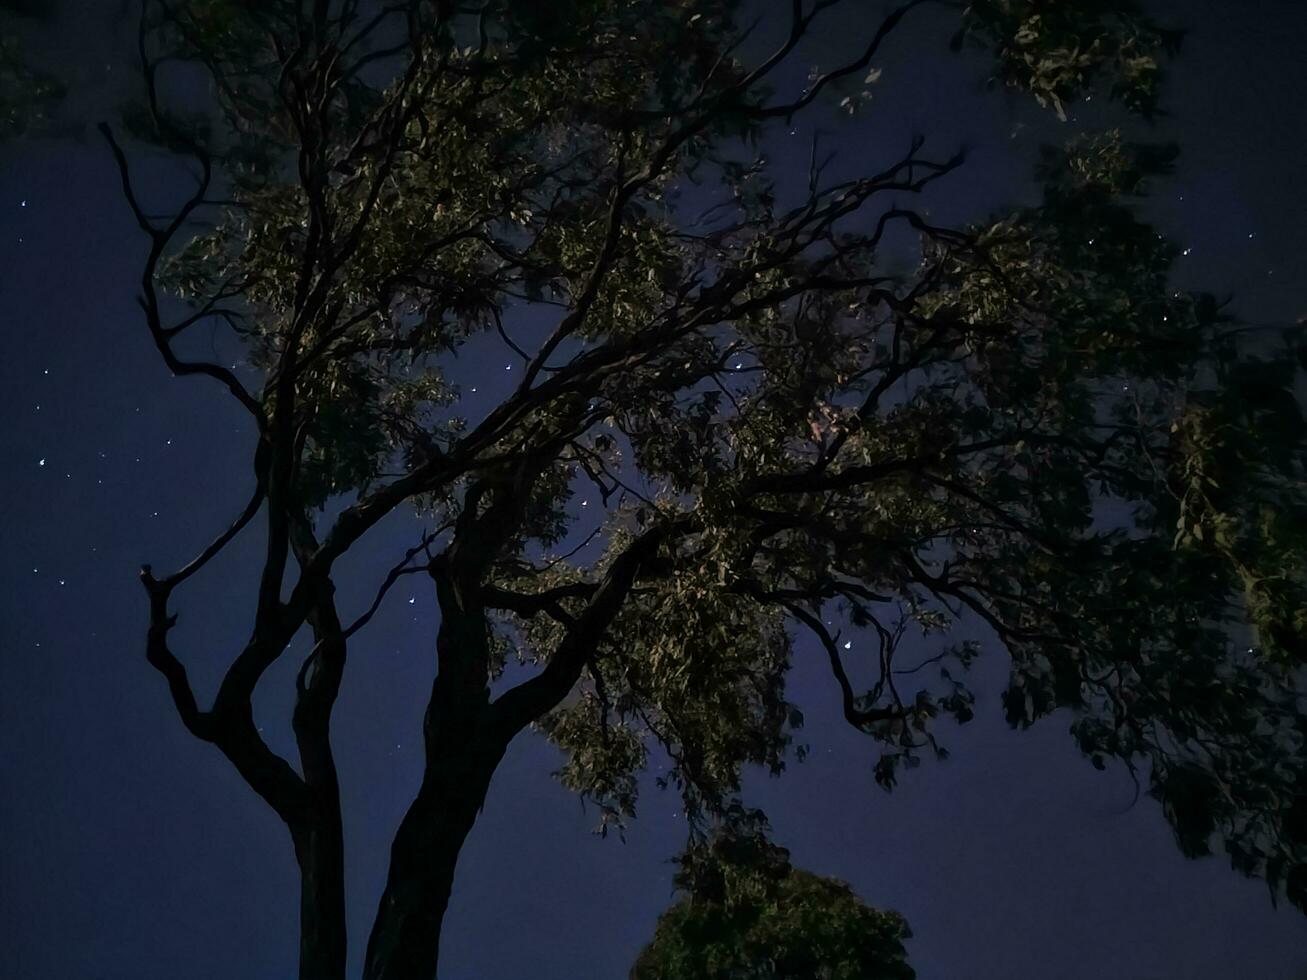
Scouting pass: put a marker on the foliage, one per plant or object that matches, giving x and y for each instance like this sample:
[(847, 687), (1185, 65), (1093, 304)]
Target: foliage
[(749, 915), (1057, 51), (1030, 428), (28, 94)]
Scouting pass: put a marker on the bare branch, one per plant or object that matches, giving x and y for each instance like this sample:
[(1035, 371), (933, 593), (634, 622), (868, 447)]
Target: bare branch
[(401, 569), (220, 542)]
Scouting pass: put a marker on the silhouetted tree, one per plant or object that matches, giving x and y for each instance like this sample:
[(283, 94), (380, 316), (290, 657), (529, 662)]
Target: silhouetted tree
[(749, 915), (1029, 427), (27, 93)]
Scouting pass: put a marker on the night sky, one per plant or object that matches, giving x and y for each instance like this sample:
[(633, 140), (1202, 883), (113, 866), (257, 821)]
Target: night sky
[(133, 852)]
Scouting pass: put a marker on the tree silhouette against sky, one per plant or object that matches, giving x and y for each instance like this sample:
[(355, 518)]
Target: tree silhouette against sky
[(747, 402)]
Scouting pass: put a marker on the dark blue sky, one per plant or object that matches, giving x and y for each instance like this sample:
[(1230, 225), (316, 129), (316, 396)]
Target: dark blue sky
[(132, 852)]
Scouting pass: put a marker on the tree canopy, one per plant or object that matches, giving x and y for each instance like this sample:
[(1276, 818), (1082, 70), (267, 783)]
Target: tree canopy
[(749, 915), (27, 92), (785, 431)]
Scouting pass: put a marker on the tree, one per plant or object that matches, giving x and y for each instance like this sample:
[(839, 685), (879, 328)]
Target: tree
[(27, 93), (750, 915), (1029, 427)]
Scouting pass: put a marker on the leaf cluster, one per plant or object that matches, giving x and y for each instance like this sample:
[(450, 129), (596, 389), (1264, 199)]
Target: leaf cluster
[(749, 915)]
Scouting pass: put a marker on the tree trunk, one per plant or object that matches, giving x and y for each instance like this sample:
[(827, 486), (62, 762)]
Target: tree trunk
[(318, 834), (464, 744), (319, 848), (405, 940)]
